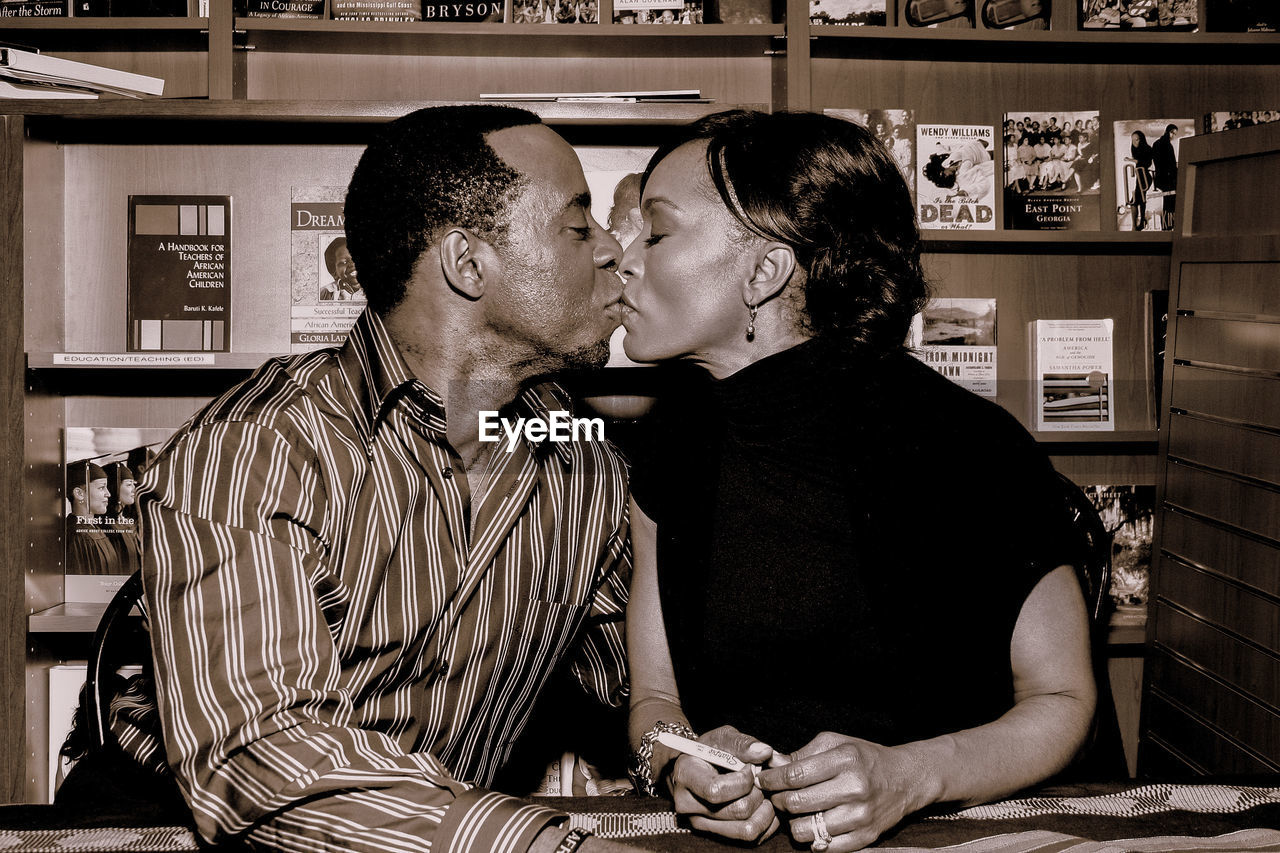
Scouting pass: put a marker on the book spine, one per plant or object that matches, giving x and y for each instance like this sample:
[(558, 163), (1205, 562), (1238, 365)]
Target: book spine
[(36, 9)]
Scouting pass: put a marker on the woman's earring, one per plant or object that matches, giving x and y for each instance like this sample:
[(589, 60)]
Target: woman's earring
[(751, 325)]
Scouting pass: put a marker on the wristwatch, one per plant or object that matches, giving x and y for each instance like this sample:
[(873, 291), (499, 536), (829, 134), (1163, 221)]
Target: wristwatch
[(641, 769)]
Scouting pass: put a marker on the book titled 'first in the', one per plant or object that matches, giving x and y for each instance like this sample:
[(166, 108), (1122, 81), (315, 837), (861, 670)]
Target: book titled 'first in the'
[(179, 273)]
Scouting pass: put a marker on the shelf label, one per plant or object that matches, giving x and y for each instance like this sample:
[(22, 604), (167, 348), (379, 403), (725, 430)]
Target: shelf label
[(132, 359)]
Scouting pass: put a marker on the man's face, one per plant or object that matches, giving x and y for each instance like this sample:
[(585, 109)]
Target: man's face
[(556, 298)]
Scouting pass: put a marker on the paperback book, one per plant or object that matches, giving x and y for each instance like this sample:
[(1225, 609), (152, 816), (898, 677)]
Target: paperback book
[(1074, 373), (376, 10), (560, 12), (1146, 153), (103, 533), (1015, 14), (895, 128), (938, 13), (1148, 15), (849, 13), (656, 11), (1242, 16), (956, 186), (326, 298), (1128, 514), (1052, 184), (284, 8), (179, 273), (957, 338), (35, 9), (66, 684), (1214, 122), (743, 12)]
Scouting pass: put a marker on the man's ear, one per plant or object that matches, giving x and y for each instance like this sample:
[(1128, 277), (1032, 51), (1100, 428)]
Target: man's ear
[(775, 264), (463, 262)]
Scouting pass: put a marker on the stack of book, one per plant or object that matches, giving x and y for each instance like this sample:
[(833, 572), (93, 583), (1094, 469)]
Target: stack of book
[(30, 74)]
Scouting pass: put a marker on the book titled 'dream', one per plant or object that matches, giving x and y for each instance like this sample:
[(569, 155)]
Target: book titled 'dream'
[(27, 67), (1074, 375), (179, 293), (326, 296)]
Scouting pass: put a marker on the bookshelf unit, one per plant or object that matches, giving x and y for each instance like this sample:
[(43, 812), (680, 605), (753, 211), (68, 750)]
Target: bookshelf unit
[(255, 105)]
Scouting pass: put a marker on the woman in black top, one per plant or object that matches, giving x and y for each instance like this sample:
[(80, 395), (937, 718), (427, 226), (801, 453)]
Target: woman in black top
[(1140, 155), (849, 571)]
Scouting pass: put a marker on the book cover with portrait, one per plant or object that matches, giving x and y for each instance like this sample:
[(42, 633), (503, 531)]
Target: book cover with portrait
[(1144, 15), (1219, 121), (657, 12), (955, 177), (102, 530), (1073, 368), (957, 338), (1146, 158), (559, 11), (1052, 170), (178, 297), (848, 13), (895, 128), (325, 294)]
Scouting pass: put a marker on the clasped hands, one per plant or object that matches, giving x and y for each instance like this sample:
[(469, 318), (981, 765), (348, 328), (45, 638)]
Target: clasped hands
[(860, 789)]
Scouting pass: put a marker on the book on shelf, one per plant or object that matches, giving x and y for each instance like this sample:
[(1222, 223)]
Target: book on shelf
[(68, 722), (1146, 15), (179, 265), (656, 11), (1146, 153), (672, 96), (957, 338), (896, 129), (1074, 375), (1128, 513), (281, 8), (140, 8), (956, 188), (326, 298), (375, 10), (1215, 122), (26, 66), (1157, 329), (35, 9), (1052, 184), (555, 11), (939, 13), (854, 13), (102, 530), (743, 12), (1015, 14), (1242, 16), (42, 91)]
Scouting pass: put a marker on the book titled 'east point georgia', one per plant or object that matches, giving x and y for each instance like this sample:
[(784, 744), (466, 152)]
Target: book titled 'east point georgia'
[(179, 293)]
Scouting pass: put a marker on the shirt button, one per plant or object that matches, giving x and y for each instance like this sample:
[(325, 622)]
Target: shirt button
[(448, 473), (442, 669)]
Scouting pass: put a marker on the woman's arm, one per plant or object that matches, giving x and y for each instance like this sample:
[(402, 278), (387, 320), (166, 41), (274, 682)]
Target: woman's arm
[(863, 788)]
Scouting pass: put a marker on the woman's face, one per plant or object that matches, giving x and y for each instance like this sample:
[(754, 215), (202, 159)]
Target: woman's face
[(684, 273), (1136, 139)]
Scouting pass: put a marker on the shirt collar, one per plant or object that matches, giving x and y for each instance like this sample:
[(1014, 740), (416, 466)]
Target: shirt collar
[(371, 354)]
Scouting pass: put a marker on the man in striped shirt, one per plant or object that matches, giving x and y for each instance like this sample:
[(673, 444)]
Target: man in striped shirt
[(355, 601)]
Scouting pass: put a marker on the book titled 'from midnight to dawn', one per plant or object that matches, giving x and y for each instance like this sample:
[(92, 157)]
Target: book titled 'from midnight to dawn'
[(179, 293)]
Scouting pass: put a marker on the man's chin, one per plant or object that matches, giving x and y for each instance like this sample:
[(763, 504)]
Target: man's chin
[(589, 357)]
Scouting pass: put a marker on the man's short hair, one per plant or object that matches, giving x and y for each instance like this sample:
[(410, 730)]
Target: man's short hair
[(331, 255), (426, 172), (834, 193)]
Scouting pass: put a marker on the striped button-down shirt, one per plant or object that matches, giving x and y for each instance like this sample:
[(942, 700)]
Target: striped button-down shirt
[(340, 662)]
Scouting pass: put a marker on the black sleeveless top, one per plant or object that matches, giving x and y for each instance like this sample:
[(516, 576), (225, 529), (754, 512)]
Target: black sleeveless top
[(845, 543)]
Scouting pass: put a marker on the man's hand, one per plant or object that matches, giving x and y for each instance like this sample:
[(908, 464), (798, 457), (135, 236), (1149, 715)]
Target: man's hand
[(861, 789), (728, 804)]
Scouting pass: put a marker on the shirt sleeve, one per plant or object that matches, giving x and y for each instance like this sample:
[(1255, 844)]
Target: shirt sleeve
[(600, 663), (258, 720)]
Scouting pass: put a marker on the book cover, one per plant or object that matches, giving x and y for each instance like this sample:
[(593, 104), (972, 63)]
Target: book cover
[(376, 10), (179, 273), (1128, 514), (744, 12), (955, 188), (654, 12), (326, 298), (35, 9), (957, 338), (136, 9), (1242, 16), (1215, 122), (934, 13), (1146, 154), (563, 12), (1015, 14), (283, 8), (1053, 182), (1149, 15), (65, 682), (849, 13), (1074, 373), (895, 128), (102, 531)]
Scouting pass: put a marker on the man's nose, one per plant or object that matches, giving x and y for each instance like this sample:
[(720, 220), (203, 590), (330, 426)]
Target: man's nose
[(608, 251)]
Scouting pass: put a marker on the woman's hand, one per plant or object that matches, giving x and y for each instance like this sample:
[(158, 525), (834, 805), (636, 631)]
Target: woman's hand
[(861, 789), (728, 804)]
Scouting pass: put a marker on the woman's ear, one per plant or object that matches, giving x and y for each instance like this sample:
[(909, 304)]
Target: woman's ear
[(775, 265), (462, 262)]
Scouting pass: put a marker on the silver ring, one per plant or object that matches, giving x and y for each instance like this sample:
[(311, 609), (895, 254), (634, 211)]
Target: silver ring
[(821, 837)]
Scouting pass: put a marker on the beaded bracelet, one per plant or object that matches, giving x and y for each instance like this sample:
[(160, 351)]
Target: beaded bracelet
[(642, 758)]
